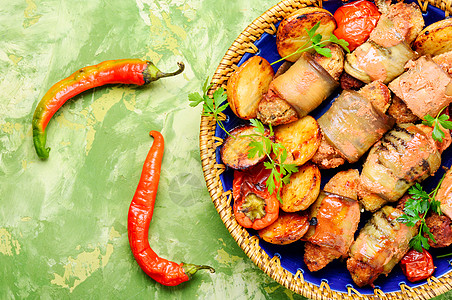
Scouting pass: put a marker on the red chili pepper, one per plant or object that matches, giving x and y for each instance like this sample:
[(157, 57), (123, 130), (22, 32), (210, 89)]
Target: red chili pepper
[(254, 206), (417, 265), (126, 71), (140, 215), (355, 21)]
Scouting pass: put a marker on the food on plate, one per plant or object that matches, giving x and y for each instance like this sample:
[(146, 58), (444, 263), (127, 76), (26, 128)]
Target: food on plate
[(359, 123), (440, 227), (247, 85), (337, 219), (292, 34), (288, 228), (234, 152), (417, 265), (334, 64), (304, 85), (385, 54), (407, 21), (380, 245), (355, 21), (140, 215), (344, 183), (284, 107), (425, 87), (444, 194), (254, 207), (444, 60), (400, 112), (276, 111), (353, 124), (405, 155), (126, 71), (301, 139), (435, 39), (302, 190)]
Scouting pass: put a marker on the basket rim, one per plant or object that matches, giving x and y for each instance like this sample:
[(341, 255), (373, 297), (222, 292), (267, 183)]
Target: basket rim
[(221, 199)]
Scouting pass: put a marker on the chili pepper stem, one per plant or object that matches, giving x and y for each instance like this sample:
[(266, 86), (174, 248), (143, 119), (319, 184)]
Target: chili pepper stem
[(191, 269), (152, 73)]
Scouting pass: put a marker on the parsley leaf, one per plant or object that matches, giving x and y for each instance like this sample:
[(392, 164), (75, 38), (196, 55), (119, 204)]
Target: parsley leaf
[(315, 42), (415, 211), (211, 106), (438, 122), (276, 153)]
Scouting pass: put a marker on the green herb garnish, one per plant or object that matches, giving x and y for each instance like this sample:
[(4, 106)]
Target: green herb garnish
[(280, 172), (437, 123), (315, 42), (211, 106), (263, 146), (416, 209)]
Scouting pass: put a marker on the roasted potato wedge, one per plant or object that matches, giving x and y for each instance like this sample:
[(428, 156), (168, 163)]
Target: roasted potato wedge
[(234, 152), (292, 34), (302, 190), (288, 228), (301, 139), (247, 85), (435, 39)]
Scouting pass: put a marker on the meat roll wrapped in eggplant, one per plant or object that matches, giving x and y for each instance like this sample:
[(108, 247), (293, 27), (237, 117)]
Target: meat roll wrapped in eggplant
[(337, 219), (352, 125), (304, 85), (384, 55), (404, 156), (425, 88), (380, 245)]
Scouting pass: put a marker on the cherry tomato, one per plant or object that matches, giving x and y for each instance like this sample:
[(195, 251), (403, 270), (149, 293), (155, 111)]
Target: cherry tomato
[(417, 265), (355, 21)]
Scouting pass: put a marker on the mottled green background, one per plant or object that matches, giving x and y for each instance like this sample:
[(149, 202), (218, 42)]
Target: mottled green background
[(63, 221)]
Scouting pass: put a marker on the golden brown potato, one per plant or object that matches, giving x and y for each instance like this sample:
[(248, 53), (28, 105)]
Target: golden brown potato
[(247, 85), (292, 34), (302, 190), (301, 139), (234, 152), (288, 228), (435, 39)]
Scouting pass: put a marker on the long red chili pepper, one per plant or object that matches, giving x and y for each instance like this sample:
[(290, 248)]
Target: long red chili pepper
[(126, 71), (140, 215)]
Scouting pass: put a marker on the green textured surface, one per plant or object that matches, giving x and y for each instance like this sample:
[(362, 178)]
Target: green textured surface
[(63, 222)]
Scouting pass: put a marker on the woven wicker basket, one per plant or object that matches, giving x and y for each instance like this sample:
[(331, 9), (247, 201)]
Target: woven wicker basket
[(222, 200)]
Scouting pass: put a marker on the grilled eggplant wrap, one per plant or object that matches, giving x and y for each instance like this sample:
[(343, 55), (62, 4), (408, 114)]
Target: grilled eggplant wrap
[(304, 85), (353, 125), (380, 245), (404, 156)]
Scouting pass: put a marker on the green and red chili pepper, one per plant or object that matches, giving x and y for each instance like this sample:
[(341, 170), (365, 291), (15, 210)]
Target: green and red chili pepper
[(140, 215), (125, 71)]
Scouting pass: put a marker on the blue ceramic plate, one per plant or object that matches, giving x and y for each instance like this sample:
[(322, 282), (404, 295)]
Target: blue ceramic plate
[(291, 256)]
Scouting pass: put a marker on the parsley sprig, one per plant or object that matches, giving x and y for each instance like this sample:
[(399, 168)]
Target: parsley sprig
[(211, 106), (416, 209), (276, 154), (261, 143), (441, 120), (315, 42)]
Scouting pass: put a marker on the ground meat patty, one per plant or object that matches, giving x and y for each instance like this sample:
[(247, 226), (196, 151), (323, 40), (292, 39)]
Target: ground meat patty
[(349, 82), (400, 112), (440, 227)]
